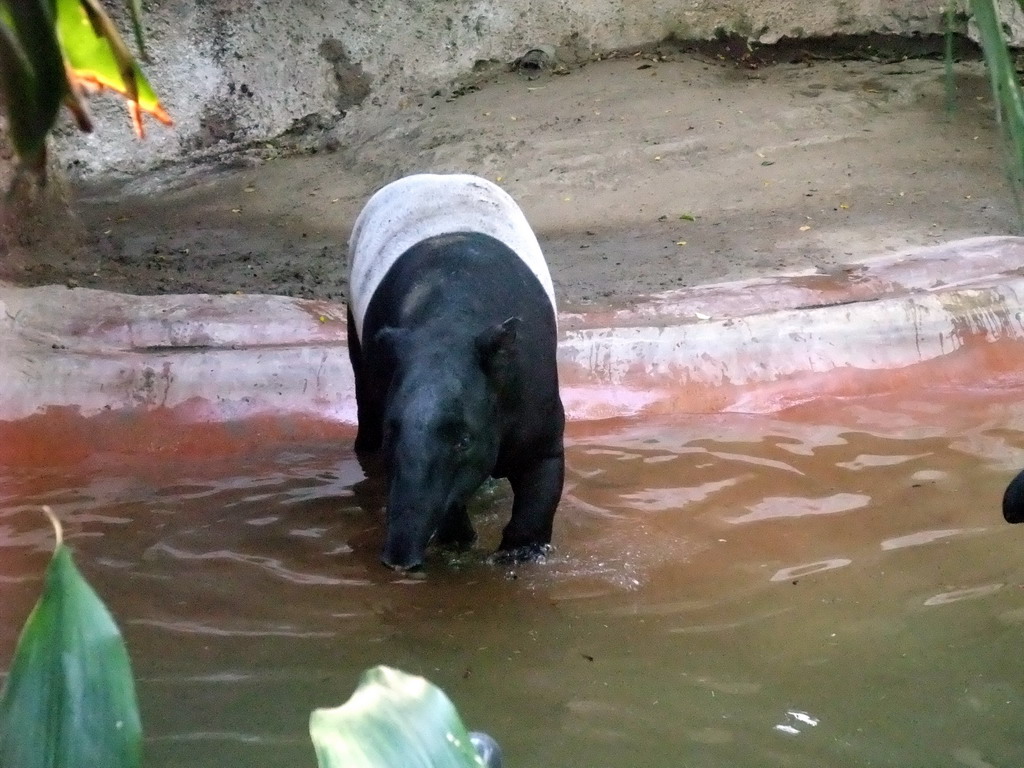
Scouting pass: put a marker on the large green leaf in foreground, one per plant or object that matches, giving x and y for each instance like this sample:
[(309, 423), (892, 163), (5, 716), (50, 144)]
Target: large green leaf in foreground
[(69, 700), (392, 719)]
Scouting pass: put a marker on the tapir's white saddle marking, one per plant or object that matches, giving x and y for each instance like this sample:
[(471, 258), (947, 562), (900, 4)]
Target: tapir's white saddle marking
[(418, 207)]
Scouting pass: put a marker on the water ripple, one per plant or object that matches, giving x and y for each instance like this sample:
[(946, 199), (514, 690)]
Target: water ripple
[(758, 461), (38, 539), (195, 628), (794, 506), (925, 537), (799, 571), (945, 598), (659, 499), (269, 564), (870, 460), (796, 721)]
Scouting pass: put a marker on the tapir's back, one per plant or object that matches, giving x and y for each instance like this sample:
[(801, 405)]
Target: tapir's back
[(423, 206), (461, 284)]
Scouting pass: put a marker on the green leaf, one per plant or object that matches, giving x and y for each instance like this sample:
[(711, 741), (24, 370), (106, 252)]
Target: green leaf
[(392, 719), (32, 74), (69, 699), (1006, 89), (17, 84), (99, 57), (135, 11)]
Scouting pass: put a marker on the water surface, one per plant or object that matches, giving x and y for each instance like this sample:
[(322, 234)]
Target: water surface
[(833, 586)]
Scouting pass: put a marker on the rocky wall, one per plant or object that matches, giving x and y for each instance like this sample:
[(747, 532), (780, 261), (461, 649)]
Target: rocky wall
[(239, 72)]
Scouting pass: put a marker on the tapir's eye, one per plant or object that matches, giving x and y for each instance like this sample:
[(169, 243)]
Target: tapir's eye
[(454, 434)]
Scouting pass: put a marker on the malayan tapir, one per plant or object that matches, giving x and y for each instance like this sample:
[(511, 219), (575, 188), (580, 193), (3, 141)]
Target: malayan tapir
[(452, 336)]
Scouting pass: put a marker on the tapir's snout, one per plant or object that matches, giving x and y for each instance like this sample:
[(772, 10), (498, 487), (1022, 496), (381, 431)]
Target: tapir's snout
[(400, 563), (403, 551)]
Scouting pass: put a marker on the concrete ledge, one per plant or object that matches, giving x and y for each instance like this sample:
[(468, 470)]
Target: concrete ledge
[(89, 362), (945, 315)]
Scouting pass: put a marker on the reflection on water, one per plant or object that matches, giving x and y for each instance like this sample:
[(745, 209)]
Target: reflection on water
[(830, 587), (789, 506)]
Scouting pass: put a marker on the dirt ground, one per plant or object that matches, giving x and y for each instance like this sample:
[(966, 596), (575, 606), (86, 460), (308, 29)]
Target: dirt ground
[(639, 174)]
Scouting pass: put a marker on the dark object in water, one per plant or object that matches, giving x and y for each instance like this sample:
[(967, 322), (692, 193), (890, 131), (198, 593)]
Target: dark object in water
[(1013, 500), (487, 748)]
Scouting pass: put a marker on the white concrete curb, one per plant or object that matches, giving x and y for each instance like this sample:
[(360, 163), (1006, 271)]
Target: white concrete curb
[(757, 345), (213, 358)]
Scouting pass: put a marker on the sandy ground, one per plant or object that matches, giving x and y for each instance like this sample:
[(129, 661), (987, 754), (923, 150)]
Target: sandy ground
[(638, 173)]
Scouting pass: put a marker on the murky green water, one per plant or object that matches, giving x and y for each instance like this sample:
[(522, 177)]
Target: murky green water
[(831, 587)]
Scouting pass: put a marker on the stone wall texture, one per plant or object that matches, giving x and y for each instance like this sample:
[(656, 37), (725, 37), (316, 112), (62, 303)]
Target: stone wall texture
[(235, 72)]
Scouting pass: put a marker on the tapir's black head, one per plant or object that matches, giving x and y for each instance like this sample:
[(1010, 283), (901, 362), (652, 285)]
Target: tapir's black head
[(441, 429)]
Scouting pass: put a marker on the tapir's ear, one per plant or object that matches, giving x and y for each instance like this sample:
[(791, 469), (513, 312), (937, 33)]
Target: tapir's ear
[(496, 344)]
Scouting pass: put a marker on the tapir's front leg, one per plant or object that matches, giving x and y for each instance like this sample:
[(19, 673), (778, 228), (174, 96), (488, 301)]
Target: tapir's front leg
[(537, 490)]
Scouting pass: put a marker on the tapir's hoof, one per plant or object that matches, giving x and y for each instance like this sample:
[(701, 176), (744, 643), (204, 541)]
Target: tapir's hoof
[(487, 748), (528, 553)]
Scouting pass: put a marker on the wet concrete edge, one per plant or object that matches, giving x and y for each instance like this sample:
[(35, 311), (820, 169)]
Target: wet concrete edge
[(949, 314)]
